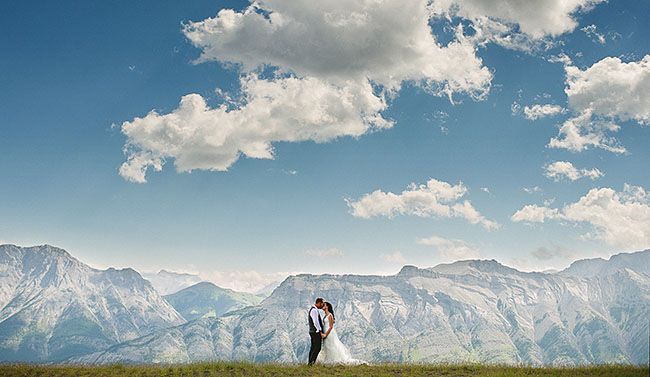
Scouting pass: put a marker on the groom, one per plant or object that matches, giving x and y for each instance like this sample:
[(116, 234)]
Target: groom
[(315, 330)]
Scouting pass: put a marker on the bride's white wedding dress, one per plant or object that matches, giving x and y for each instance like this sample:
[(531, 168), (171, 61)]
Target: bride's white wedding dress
[(333, 351)]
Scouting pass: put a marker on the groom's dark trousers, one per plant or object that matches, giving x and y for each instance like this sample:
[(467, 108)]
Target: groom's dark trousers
[(314, 334), (316, 342)]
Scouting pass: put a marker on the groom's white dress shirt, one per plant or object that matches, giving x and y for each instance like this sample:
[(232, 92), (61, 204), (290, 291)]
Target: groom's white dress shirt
[(315, 317)]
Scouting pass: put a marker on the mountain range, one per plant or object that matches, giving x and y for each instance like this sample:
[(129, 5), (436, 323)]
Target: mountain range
[(53, 306), (595, 311)]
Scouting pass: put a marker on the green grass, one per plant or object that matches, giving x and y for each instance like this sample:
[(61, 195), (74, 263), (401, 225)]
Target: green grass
[(248, 369)]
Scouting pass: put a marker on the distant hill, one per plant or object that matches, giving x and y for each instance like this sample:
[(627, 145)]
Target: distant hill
[(168, 282), (207, 300), (266, 291), (53, 306)]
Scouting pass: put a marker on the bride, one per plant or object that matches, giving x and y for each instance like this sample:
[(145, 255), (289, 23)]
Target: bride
[(333, 351)]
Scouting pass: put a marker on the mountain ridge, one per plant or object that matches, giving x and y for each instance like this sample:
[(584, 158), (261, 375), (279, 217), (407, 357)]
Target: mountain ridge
[(466, 311), (420, 315), (54, 306), (594, 266)]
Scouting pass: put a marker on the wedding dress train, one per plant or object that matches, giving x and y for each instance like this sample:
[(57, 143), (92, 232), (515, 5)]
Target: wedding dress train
[(333, 351)]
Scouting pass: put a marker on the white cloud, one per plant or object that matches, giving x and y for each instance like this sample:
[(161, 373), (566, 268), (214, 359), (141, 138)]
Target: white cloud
[(433, 199), (540, 111), (534, 213), (396, 258), (467, 211), (532, 190), (244, 281), (332, 66), (450, 249), (136, 166), (506, 35), (560, 58), (583, 131), (612, 88), (324, 253), (197, 136), (564, 169), (387, 42), (535, 19), (607, 92), (592, 32), (620, 219)]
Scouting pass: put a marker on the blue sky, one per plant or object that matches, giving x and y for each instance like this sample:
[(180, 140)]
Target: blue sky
[(72, 73)]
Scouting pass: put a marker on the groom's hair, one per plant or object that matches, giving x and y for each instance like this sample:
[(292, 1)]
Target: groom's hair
[(319, 300)]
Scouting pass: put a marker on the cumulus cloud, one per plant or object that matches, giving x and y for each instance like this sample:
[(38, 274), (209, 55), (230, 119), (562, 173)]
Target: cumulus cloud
[(535, 213), (387, 42), (329, 68), (612, 88), (333, 65), (620, 219), (514, 23), (433, 199), (564, 169), (197, 136), (537, 111), (324, 253), (608, 92), (450, 249)]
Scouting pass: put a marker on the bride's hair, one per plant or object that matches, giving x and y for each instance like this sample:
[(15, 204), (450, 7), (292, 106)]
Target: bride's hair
[(330, 309)]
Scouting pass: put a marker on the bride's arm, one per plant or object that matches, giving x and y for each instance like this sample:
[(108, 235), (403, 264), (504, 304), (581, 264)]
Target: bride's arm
[(331, 325)]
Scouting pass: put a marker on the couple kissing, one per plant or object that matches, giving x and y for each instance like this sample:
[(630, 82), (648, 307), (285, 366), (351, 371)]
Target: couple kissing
[(326, 347)]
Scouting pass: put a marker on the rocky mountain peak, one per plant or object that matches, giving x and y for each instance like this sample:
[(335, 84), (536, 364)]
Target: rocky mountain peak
[(638, 262), (473, 267), (53, 306)]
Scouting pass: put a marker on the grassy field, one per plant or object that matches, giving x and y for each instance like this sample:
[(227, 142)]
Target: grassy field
[(246, 369)]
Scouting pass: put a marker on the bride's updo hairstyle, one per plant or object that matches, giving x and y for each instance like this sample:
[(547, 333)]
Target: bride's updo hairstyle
[(330, 309)]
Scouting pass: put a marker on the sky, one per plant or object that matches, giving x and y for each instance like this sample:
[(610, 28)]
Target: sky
[(247, 141)]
